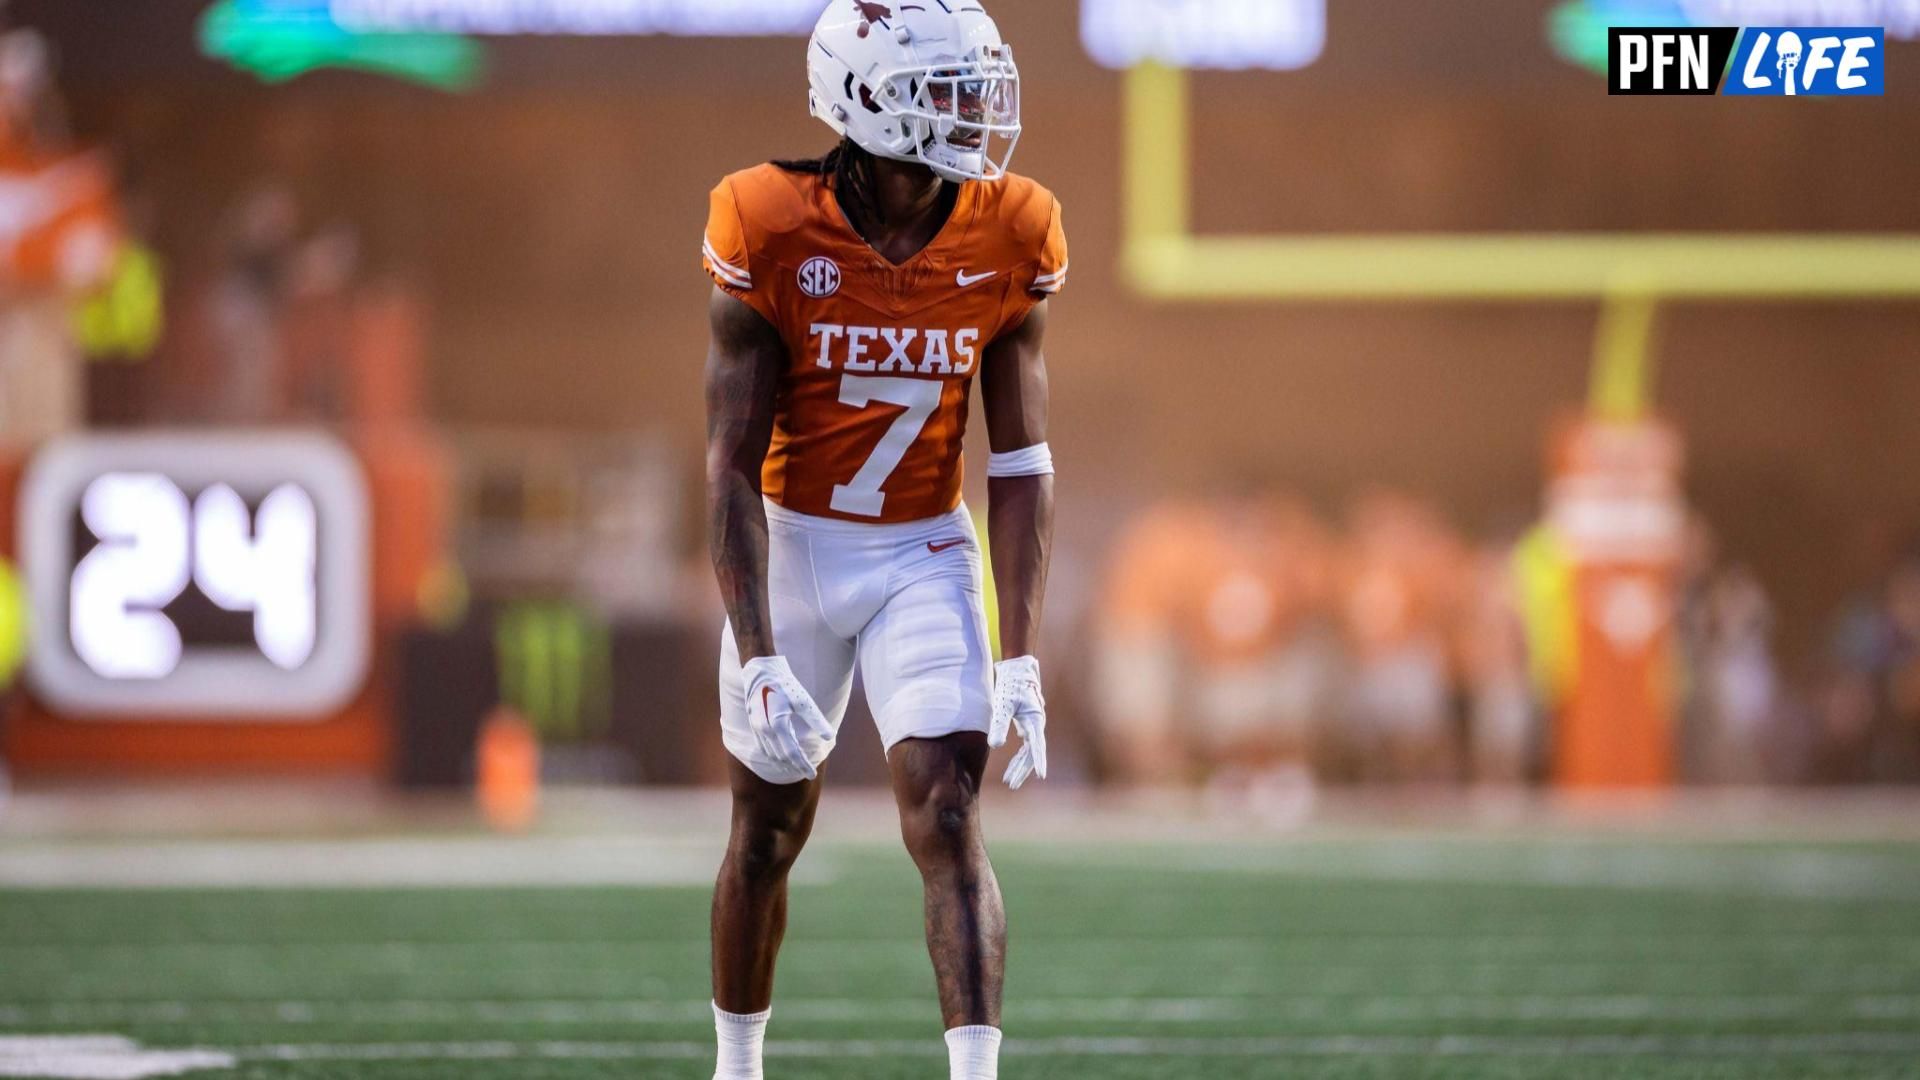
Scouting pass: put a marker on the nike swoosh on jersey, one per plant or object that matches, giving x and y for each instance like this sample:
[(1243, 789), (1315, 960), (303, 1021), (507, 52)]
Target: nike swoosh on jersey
[(938, 548), (963, 279)]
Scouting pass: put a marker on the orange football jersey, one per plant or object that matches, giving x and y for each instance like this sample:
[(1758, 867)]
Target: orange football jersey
[(879, 357)]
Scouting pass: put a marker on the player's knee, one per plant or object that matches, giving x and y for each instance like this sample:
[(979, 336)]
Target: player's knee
[(937, 784), (767, 837), (942, 821), (766, 862), (950, 820), (765, 851)]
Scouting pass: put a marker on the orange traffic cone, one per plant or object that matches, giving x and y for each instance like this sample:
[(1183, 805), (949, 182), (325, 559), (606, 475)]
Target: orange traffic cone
[(507, 771)]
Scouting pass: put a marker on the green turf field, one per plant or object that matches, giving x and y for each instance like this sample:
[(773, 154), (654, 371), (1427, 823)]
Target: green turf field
[(1364, 956)]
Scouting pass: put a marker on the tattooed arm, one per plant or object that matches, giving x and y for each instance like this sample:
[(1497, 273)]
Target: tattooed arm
[(743, 372), (1013, 392)]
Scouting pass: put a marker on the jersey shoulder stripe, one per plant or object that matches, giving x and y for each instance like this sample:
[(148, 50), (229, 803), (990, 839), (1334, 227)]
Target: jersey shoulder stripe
[(721, 268), (752, 218), (743, 211)]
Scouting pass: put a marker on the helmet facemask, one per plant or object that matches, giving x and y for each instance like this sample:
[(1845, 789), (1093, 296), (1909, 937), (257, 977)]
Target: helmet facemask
[(964, 116)]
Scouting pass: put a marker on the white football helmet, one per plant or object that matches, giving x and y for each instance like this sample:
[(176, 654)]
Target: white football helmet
[(918, 80)]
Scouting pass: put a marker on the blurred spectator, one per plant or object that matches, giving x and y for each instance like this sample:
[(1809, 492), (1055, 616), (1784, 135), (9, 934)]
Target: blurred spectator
[(247, 385), (1543, 576), (1211, 659), (119, 324), (1735, 683), (1899, 743), (1401, 583), (1699, 553), (1502, 736), (1851, 702), (58, 234), (1870, 705), (34, 109), (318, 323)]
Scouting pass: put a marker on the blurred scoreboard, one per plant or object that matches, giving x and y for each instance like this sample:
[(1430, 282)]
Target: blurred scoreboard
[(219, 599), (197, 575)]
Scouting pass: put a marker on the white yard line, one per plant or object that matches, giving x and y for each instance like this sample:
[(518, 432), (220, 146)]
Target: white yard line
[(100, 1057)]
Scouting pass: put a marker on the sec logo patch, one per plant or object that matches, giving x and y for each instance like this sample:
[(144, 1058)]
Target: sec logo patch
[(819, 277)]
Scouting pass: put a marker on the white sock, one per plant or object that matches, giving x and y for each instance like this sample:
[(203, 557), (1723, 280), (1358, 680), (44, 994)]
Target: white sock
[(974, 1052), (741, 1038)]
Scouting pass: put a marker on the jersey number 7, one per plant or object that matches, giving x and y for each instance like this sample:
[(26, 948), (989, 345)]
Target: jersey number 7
[(920, 397)]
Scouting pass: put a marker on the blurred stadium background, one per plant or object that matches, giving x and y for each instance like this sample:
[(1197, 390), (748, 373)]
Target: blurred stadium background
[(1487, 589)]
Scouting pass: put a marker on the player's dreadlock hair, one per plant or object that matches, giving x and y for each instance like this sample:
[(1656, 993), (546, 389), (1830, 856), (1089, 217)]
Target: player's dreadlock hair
[(848, 168)]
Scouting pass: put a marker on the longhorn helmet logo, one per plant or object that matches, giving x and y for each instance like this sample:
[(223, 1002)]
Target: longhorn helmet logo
[(872, 13)]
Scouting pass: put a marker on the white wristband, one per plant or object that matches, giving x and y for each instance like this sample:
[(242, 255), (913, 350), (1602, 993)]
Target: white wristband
[(1035, 460)]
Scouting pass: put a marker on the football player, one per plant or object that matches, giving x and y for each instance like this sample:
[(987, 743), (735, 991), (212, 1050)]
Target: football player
[(856, 298)]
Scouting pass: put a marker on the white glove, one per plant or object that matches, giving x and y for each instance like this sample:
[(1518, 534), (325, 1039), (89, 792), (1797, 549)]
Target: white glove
[(1018, 703), (775, 703)]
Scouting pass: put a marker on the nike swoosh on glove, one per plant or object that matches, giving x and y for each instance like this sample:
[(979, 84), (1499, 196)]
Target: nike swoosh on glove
[(779, 709)]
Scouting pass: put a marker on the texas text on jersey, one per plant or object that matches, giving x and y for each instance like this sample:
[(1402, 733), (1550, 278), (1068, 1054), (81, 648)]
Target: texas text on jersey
[(874, 403)]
